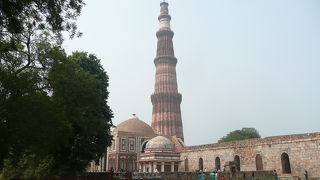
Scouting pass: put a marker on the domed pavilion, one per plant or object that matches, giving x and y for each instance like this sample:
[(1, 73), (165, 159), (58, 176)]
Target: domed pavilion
[(160, 155)]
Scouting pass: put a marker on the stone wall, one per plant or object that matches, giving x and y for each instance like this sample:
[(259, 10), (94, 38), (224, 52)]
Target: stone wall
[(303, 151), (266, 175), (228, 176)]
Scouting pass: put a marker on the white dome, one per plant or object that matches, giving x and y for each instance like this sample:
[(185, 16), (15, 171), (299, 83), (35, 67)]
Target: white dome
[(160, 142)]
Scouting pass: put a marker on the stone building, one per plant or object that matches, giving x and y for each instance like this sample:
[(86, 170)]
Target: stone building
[(129, 140), (289, 155), (137, 146)]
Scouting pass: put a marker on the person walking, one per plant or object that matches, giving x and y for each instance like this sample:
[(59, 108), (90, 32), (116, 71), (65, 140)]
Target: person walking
[(306, 175), (275, 175), (212, 176), (200, 175), (252, 176)]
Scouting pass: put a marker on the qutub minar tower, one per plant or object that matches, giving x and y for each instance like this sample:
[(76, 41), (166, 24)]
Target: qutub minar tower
[(166, 100)]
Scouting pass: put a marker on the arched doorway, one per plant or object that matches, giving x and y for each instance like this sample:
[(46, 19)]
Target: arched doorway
[(259, 164), (122, 164), (217, 163), (186, 165), (130, 165), (237, 162), (201, 164), (285, 162)]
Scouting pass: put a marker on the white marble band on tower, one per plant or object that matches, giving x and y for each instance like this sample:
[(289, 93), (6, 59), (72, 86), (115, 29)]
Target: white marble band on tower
[(164, 23), (164, 18)]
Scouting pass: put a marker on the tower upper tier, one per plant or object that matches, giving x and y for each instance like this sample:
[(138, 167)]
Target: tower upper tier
[(164, 17)]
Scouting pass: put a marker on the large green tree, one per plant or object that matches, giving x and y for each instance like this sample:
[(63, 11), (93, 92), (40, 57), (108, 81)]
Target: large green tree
[(244, 133), (28, 118), (54, 117), (62, 122), (80, 89)]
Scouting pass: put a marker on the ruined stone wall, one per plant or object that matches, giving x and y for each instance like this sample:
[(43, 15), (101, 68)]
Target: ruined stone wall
[(303, 151)]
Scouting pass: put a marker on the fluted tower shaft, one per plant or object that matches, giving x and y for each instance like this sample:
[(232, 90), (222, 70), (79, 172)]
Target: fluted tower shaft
[(166, 100)]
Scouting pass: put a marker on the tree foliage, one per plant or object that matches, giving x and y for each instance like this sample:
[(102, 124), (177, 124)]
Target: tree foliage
[(54, 116), (29, 165), (55, 15), (29, 121), (244, 133), (89, 115)]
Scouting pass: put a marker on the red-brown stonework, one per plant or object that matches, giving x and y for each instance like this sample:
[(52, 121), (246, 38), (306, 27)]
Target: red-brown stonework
[(166, 100)]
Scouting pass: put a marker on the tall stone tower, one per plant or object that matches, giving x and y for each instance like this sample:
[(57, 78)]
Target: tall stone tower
[(166, 100)]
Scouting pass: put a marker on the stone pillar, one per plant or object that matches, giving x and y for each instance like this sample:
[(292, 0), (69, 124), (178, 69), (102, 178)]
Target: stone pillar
[(162, 166), (172, 166), (154, 166), (144, 166), (107, 160), (116, 141), (150, 166)]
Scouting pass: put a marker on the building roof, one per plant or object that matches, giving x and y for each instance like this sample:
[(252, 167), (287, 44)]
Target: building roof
[(136, 126), (257, 141), (160, 142)]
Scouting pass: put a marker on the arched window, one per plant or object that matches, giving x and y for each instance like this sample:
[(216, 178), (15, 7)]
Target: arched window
[(143, 146), (237, 162), (186, 165), (259, 164), (285, 162), (201, 164), (217, 163)]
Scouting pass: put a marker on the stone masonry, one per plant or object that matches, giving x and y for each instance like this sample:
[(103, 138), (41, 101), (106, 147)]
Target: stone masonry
[(166, 113), (303, 151)]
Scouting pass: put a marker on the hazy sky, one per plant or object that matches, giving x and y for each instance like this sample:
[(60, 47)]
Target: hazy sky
[(241, 63)]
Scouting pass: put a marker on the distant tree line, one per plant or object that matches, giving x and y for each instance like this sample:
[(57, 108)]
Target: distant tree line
[(54, 116), (244, 133)]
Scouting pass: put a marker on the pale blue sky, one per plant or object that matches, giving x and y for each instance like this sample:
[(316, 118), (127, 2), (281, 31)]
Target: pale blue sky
[(241, 63)]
